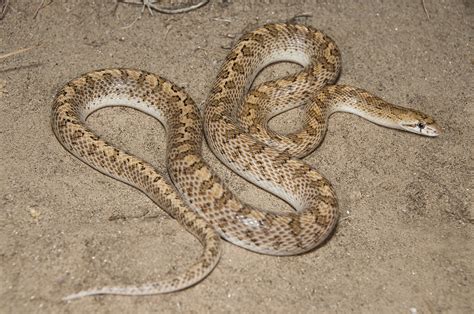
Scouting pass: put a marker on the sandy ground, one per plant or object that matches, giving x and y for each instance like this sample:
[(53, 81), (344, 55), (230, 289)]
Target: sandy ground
[(405, 239)]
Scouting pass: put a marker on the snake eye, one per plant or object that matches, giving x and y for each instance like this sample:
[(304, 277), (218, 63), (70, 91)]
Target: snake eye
[(420, 125)]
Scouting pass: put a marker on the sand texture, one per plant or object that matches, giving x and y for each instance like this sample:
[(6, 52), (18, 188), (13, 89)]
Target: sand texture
[(404, 243)]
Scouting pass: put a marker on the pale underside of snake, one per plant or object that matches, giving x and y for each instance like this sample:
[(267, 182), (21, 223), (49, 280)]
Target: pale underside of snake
[(235, 125)]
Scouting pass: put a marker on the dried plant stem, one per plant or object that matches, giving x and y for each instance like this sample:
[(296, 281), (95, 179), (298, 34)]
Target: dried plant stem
[(9, 54)]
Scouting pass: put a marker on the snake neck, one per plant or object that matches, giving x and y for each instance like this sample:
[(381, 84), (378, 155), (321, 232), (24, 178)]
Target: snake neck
[(343, 98)]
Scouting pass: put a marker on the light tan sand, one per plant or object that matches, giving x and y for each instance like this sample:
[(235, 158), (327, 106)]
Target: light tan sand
[(405, 239)]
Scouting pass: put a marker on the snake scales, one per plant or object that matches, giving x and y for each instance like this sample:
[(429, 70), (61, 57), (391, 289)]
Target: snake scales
[(235, 125)]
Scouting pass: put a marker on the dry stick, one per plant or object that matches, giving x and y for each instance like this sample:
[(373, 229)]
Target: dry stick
[(176, 10), (168, 28), (9, 54), (296, 19), (3, 8), (424, 8), (41, 6), (150, 5), (131, 24)]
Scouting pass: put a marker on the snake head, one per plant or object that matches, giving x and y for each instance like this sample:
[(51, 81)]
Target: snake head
[(420, 123)]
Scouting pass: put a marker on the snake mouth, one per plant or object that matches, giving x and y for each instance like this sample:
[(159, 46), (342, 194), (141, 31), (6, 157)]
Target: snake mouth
[(431, 130)]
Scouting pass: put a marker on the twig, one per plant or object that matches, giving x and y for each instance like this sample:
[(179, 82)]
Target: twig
[(9, 54), (133, 22), (168, 28), (220, 19), (41, 6), (345, 218), (3, 8), (3, 87), (300, 18), (424, 8), (21, 67), (150, 5)]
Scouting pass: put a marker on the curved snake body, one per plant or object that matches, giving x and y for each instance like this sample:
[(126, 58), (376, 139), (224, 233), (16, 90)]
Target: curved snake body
[(235, 125)]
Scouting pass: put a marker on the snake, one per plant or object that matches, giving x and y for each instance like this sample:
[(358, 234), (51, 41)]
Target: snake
[(234, 121)]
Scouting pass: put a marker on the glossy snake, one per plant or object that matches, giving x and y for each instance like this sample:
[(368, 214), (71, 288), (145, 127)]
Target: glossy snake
[(235, 125)]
